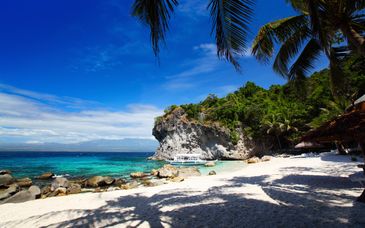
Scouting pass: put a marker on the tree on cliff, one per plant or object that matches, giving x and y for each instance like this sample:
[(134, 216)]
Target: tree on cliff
[(230, 19)]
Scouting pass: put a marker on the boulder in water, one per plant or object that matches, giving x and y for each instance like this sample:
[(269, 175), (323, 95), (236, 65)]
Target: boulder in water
[(6, 179), (59, 182), (74, 189), (188, 172), (154, 172), (20, 197), (61, 191), (12, 189), (210, 164), (130, 185), (138, 175), (176, 179), (35, 190), (99, 181), (24, 182), (118, 182), (46, 176), (46, 191), (212, 173), (2, 172), (167, 171), (26, 195)]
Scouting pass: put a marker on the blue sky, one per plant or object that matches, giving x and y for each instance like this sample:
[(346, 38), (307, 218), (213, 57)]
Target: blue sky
[(74, 71)]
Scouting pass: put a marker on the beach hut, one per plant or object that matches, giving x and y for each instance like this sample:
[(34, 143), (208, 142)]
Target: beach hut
[(347, 128)]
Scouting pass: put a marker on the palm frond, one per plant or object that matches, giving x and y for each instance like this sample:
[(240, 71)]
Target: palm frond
[(299, 5), (305, 61), (156, 14), (355, 5), (289, 49), (230, 19), (274, 32)]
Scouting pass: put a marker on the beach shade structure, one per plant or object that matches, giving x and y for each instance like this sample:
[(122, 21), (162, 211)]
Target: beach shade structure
[(308, 145), (349, 127)]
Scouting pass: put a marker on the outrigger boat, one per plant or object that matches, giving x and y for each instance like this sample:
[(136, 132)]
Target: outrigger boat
[(187, 159)]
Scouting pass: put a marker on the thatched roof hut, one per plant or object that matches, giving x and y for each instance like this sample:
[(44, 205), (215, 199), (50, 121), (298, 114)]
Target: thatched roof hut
[(348, 127)]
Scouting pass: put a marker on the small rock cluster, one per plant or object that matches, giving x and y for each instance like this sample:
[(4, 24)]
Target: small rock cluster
[(16, 190), (257, 160), (20, 190)]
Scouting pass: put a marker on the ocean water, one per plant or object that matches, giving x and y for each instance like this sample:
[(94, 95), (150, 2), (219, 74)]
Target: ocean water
[(87, 164), (76, 164)]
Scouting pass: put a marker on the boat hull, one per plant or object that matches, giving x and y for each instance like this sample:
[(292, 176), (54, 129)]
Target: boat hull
[(187, 163)]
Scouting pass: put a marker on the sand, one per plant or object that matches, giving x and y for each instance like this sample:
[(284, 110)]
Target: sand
[(301, 191)]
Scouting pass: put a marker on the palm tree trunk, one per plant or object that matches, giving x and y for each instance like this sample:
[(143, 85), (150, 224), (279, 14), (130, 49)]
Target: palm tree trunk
[(336, 75), (354, 38), (277, 137)]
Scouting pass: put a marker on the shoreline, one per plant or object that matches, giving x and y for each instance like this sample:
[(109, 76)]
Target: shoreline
[(317, 187)]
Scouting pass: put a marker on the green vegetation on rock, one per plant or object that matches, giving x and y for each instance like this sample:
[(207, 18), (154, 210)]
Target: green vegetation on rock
[(283, 112)]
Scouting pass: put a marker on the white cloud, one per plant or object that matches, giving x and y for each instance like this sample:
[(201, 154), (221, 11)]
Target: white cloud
[(193, 8), (33, 117), (206, 62)]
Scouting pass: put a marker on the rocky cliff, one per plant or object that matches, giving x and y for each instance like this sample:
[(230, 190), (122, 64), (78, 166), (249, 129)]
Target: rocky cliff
[(178, 135)]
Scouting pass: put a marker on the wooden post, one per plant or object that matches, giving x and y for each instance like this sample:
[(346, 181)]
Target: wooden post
[(362, 197)]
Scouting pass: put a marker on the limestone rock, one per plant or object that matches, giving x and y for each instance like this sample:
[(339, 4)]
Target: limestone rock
[(6, 179), (46, 176), (61, 191), (155, 182), (99, 181), (266, 158), (2, 172), (210, 164), (12, 189), (97, 190), (188, 172), (130, 185), (24, 182), (167, 171), (26, 195), (138, 175), (253, 160), (35, 191), (20, 197), (212, 173), (119, 182), (176, 179), (154, 172), (74, 189), (4, 194), (59, 182), (178, 135), (46, 191)]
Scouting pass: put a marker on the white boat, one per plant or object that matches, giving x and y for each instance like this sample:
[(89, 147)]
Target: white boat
[(187, 159)]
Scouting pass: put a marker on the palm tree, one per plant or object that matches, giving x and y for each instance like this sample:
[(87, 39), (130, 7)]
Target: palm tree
[(314, 31), (277, 126), (346, 16), (230, 19)]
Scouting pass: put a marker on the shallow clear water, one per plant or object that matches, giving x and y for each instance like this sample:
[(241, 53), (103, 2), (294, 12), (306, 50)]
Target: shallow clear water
[(86, 164), (223, 167), (76, 164)]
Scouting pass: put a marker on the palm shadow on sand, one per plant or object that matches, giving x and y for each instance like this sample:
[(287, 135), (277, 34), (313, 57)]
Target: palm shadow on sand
[(300, 200)]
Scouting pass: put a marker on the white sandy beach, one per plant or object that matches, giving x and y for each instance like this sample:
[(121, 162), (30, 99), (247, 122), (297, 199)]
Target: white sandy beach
[(285, 192)]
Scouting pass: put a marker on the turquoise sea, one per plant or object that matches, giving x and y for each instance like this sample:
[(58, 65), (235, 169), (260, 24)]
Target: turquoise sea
[(86, 164)]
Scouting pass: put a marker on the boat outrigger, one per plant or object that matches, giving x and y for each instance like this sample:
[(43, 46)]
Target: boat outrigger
[(187, 159)]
